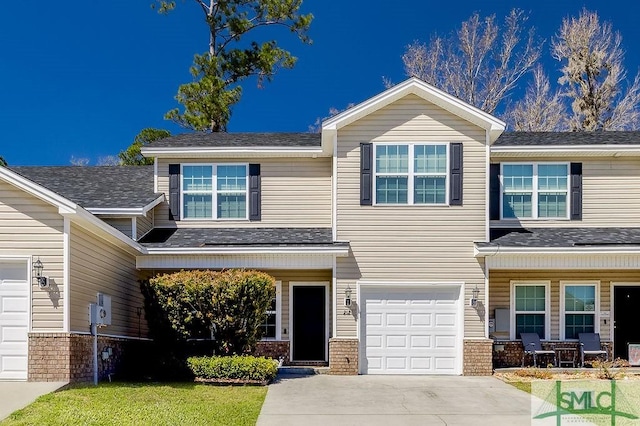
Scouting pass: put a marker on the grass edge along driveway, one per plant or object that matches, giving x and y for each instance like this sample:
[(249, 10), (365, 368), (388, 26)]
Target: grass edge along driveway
[(144, 404)]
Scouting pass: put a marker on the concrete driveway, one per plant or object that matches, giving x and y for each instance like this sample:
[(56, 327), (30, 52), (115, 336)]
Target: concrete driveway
[(17, 395), (393, 400)]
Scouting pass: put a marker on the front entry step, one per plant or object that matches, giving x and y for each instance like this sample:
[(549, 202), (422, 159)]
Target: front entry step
[(302, 370)]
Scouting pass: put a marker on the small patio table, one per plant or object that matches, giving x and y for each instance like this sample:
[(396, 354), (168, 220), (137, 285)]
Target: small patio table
[(572, 353)]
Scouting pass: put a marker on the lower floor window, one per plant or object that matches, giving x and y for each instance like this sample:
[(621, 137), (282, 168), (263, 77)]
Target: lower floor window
[(271, 325), (578, 323), (530, 323)]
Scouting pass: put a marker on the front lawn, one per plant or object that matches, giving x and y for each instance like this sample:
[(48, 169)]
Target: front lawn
[(145, 404)]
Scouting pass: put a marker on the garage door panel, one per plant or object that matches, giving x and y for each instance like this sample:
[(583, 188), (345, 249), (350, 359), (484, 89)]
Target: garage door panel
[(14, 319), (410, 331)]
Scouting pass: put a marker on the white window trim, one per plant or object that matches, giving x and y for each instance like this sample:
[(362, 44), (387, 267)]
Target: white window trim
[(596, 311), (411, 173), (547, 307), (214, 192), (534, 190), (278, 314)]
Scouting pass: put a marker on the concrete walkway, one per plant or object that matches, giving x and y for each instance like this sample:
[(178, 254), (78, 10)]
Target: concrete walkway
[(17, 395), (393, 400)]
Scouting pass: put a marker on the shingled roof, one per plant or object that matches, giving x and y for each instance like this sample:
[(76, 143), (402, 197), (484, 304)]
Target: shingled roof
[(226, 237), (568, 138), (236, 140), (122, 187), (563, 237)]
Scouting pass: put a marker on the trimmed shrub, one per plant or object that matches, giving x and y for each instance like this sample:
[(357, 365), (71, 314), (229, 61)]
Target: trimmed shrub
[(240, 368), (227, 306)]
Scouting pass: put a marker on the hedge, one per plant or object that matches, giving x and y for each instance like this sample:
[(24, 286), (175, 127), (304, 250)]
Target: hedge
[(233, 368)]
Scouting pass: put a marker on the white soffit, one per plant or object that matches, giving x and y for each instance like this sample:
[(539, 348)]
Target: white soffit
[(260, 261), (581, 261)]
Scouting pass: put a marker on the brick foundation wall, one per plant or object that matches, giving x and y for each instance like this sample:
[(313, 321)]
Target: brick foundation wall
[(275, 349), (69, 357), (343, 356), (508, 353), (477, 357)]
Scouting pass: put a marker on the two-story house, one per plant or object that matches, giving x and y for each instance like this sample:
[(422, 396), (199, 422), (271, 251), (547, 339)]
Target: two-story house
[(404, 238)]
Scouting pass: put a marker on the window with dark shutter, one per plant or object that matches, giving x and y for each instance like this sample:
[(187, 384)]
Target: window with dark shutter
[(174, 191), (576, 191), (455, 173), (494, 191), (366, 176), (255, 192)]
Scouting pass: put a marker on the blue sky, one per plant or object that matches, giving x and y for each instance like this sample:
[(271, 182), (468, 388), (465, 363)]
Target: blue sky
[(82, 78)]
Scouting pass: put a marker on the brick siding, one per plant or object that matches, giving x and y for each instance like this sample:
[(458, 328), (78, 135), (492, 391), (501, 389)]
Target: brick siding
[(273, 349), (343, 356), (69, 357), (477, 357)]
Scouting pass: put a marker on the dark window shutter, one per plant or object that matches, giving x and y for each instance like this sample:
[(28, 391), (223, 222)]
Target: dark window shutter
[(366, 174), (174, 191), (576, 191), (255, 192), (494, 191), (455, 174)]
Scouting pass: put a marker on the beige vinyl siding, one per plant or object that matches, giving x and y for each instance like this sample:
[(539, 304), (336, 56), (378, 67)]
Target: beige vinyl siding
[(411, 243), (610, 192), (122, 224), (500, 285), (296, 192), (30, 227), (144, 224), (99, 267)]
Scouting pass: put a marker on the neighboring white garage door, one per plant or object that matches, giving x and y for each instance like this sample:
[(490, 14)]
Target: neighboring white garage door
[(411, 330), (14, 319)]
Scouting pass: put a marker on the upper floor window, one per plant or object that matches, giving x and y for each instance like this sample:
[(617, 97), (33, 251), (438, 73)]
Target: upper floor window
[(535, 190), (411, 173), (214, 191)]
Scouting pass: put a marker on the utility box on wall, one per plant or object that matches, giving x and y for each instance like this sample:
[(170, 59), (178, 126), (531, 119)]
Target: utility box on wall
[(100, 313)]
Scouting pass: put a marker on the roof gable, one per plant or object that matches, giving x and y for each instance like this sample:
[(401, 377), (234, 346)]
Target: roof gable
[(425, 91)]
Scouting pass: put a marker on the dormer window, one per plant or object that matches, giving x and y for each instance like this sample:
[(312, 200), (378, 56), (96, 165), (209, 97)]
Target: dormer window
[(214, 191)]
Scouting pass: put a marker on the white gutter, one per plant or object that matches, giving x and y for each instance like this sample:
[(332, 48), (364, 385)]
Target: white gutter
[(497, 250), (238, 151), (338, 251), (547, 149), (133, 211)]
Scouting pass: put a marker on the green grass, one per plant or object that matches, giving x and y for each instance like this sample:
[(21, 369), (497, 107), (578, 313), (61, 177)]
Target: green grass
[(523, 386), (145, 404)]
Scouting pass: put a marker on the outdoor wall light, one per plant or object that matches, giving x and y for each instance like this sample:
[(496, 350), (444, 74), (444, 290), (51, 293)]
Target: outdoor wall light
[(43, 282), (347, 296), (474, 296)]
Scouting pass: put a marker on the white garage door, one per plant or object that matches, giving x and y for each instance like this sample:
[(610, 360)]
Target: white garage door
[(411, 331), (14, 319)]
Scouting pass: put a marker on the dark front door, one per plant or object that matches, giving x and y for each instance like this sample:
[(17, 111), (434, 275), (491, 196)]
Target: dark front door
[(309, 322), (626, 301)]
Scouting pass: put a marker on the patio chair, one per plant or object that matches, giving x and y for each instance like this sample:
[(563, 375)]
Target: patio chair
[(590, 346), (532, 346)]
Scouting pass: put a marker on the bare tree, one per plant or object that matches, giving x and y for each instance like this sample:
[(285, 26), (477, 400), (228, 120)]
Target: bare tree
[(593, 75), (539, 110), (108, 160), (79, 161), (480, 63)]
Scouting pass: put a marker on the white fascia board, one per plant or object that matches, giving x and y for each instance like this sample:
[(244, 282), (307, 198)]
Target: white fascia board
[(496, 251), (415, 86), (134, 211), (226, 152), (337, 251), (559, 150), (64, 205)]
